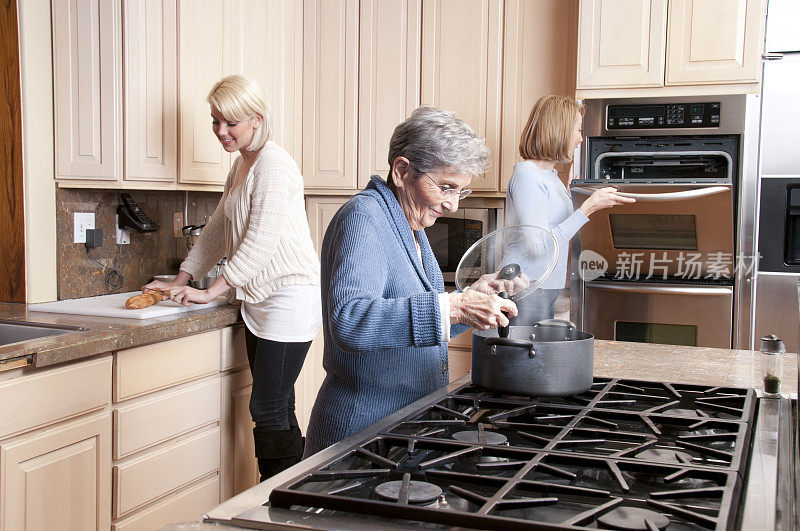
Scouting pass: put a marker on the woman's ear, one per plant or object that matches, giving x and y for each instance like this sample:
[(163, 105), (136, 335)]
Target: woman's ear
[(257, 121), (401, 172)]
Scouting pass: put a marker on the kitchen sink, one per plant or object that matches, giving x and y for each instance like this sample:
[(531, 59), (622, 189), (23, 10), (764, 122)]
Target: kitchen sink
[(16, 331)]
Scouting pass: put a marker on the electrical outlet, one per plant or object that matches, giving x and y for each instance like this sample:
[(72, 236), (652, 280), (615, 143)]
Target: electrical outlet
[(82, 221), (177, 224), (123, 237)]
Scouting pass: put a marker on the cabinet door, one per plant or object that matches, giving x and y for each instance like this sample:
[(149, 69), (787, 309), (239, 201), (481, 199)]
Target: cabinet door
[(269, 47), (330, 74), (389, 78), (150, 47), (238, 467), (205, 55), (621, 43), (86, 86), (461, 68), (715, 41), (59, 478), (538, 59)]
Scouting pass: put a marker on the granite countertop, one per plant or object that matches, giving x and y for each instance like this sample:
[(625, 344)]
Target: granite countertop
[(615, 359), (101, 334)]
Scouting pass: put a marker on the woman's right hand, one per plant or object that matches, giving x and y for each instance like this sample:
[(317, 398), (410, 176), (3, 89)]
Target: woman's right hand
[(181, 279), (480, 310), (603, 198)]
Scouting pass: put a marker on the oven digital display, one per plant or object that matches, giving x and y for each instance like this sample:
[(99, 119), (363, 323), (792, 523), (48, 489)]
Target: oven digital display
[(669, 115), (654, 231)]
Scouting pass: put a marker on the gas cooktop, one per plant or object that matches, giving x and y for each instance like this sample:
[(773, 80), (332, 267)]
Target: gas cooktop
[(626, 454)]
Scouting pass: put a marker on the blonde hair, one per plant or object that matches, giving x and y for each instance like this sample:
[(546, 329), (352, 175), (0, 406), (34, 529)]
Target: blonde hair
[(238, 98), (548, 133)]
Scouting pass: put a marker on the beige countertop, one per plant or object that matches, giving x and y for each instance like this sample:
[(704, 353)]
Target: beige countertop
[(101, 334)]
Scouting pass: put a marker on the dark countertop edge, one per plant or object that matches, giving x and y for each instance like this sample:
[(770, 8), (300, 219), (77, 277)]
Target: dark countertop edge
[(102, 334)]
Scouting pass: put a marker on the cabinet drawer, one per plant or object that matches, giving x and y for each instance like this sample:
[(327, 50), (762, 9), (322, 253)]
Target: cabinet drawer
[(53, 394), (234, 348), (184, 506), (462, 340), (164, 470), (143, 369), (173, 413)]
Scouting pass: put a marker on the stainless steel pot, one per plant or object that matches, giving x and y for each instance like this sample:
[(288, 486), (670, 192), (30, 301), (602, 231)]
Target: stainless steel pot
[(549, 358)]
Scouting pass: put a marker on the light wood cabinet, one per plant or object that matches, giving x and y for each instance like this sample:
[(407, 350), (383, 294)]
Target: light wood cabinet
[(268, 36), (86, 86), (462, 67), (715, 41), (239, 468), (538, 59), (150, 47), (330, 92), (389, 77), (663, 43), (59, 478), (622, 43), (206, 43)]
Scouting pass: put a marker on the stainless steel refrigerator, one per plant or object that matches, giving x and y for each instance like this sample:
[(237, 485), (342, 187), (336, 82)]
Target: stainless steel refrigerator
[(778, 227)]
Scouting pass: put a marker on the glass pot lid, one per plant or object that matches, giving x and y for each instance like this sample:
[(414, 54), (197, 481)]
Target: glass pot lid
[(524, 254)]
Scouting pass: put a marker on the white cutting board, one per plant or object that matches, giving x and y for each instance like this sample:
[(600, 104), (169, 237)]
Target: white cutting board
[(113, 305)]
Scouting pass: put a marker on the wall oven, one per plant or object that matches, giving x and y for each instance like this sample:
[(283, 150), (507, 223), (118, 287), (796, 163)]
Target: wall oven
[(455, 232), (663, 269)]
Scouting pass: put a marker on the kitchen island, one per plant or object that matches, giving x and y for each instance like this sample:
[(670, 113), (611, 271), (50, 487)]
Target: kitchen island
[(696, 372)]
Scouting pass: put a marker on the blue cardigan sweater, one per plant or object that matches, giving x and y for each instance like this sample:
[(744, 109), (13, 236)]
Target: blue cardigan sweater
[(381, 318)]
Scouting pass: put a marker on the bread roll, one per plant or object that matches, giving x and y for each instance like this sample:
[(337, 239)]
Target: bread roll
[(148, 298)]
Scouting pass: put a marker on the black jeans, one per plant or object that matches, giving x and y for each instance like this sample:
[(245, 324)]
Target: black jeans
[(275, 367)]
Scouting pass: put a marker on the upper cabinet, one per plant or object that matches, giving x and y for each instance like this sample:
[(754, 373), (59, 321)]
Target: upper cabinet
[(388, 77), (538, 59), (330, 80), (621, 43), (462, 54), (205, 55), (658, 43), (715, 41), (150, 50), (87, 81)]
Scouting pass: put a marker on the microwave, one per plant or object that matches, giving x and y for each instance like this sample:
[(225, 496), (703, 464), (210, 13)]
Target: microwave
[(455, 232)]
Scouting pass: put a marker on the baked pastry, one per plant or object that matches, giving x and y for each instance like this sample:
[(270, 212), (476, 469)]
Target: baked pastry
[(148, 298)]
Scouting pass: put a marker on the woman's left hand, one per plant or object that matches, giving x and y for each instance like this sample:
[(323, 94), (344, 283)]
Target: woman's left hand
[(492, 284), (184, 295)]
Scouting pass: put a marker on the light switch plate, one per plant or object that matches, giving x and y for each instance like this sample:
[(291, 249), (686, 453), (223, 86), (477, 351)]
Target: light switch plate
[(82, 221), (177, 224)]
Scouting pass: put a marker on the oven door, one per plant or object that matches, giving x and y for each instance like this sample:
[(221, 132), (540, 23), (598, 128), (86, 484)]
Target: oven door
[(672, 314), (680, 231)]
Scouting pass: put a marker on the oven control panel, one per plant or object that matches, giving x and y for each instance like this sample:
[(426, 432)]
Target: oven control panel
[(663, 116)]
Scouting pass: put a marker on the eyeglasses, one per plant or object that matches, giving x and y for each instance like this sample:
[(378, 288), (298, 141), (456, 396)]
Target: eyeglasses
[(450, 193)]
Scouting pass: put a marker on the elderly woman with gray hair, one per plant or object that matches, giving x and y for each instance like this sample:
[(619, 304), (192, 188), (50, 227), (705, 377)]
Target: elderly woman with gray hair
[(386, 318)]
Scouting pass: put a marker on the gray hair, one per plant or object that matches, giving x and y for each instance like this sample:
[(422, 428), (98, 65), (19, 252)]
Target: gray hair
[(435, 140)]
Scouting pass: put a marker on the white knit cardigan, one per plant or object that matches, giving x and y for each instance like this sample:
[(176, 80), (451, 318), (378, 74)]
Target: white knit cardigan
[(268, 244)]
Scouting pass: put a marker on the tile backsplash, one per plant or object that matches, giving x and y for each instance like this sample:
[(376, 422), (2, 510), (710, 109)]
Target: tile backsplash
[(80, 274)]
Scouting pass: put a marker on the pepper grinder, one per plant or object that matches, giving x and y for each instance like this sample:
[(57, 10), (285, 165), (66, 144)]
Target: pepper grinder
[(772, 350)]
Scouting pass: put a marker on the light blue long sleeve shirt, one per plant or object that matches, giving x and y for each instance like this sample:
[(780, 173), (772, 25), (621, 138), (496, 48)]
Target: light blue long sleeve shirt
[(538, 197)]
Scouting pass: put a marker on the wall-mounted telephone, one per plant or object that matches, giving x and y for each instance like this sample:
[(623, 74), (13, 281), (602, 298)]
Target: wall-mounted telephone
[(132, 217)]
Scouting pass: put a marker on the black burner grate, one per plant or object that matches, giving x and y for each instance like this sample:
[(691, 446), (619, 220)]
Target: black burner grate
[(623, 449)]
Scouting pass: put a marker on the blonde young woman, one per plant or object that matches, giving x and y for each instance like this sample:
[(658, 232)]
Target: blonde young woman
[(260, 225), (536, 195)]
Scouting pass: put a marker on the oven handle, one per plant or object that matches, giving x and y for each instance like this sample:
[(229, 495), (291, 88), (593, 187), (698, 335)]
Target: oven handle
[(664, 196), (660, 290)]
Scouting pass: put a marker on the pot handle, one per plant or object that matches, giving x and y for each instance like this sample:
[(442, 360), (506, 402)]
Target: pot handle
[(508, 342), (557, 322)]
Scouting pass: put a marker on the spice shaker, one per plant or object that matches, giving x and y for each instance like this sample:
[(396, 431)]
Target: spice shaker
[(772, 350)]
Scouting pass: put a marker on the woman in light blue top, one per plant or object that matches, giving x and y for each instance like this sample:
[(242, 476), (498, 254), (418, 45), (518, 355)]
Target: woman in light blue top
[(536, 195)]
